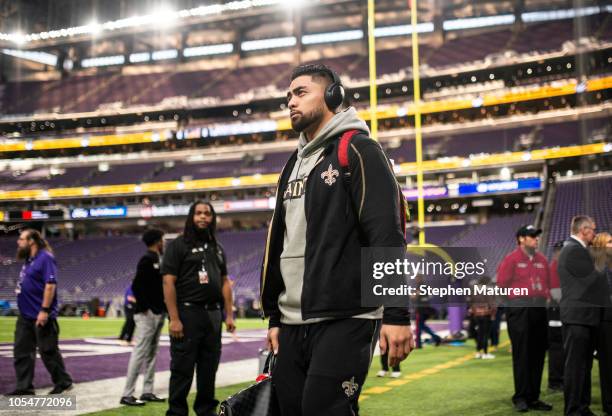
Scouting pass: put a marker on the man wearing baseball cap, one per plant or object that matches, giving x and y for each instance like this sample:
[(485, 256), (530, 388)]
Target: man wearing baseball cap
[(525, 268)]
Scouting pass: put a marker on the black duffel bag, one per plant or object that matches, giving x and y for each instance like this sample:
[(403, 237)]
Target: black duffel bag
[(256, 400)]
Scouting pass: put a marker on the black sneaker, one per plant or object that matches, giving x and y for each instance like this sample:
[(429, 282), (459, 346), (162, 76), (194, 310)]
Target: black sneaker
[(131, 401), (150, 397), (521, 406), (540, 405), (20, 392), (61, 389)]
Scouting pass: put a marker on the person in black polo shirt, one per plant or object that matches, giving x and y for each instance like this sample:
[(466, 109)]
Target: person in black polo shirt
[(149, 318), (195, 287)]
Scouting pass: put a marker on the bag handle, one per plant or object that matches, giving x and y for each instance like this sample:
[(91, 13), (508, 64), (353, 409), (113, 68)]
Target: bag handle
[(270, 363)]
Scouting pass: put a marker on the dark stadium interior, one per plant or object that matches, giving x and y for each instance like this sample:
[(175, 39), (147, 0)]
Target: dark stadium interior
[(110, 131)]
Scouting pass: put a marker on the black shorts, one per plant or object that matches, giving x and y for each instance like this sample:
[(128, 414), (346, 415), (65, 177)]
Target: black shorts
[(321, 367)]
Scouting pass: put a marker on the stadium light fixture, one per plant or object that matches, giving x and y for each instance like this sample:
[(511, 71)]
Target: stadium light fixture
[(208, 50), (330, 37), (400, 30), (475, 22), (94, 28), (140, 57), (103, 61), (543, 16), (18, 38), (272, 43), (164, 17), (34, 56), (164, 54)]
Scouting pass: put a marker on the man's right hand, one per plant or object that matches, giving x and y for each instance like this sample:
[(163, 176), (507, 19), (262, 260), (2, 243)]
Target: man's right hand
[(273, 340), (176, 328)]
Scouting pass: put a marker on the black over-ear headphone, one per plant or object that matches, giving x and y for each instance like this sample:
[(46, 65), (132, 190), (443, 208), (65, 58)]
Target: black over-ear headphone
[(334, 93)]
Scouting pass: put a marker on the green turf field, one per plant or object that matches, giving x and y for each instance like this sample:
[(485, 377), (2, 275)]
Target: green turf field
[(72, 328), (435, 381), (427, 388)]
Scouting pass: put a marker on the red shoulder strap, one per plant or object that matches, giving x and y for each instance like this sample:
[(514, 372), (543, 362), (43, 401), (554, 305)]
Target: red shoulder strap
[(345, 140)]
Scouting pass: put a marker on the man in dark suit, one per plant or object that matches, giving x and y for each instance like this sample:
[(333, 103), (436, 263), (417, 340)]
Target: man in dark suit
[(584, 291)]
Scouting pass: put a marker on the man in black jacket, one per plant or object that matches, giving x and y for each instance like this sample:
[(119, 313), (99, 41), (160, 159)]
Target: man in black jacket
[(149, 318), (583, 293), (310, 287)]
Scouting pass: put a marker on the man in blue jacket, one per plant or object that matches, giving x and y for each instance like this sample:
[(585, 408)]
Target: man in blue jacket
[(310, 285)]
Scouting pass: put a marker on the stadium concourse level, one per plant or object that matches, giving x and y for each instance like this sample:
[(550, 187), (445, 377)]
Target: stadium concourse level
[(103, 266), (83, 93), (496, 141)]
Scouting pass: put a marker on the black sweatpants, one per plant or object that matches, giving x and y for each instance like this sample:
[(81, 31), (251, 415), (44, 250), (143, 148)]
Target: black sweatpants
[(321, 367), (28, 337), (199, 349), (579, 343), (527, 327), (483, 329)]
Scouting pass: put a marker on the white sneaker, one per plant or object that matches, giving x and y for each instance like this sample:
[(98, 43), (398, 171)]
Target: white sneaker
[(488, 356), (381, 373), (396, 374), (478, 355)]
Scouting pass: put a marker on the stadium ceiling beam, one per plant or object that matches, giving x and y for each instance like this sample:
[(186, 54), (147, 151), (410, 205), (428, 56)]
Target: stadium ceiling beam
[(236, 18)]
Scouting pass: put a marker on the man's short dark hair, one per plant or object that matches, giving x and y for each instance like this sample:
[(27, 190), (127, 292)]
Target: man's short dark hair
[(152, 236), (318, 72)]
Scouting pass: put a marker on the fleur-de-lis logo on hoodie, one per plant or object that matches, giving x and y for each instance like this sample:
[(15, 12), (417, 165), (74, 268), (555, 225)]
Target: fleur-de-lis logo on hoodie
[(329, 176)]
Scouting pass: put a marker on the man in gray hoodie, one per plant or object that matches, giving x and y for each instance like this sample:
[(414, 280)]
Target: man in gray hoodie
[(321, 334)]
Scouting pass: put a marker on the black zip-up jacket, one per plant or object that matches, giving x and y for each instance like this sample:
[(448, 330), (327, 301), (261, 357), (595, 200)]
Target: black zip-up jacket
[(148, 286), (334, 236)]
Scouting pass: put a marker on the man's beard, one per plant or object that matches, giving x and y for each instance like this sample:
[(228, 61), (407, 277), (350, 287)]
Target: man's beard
[(307, 120), (203, 234), (530, 250), (23, 253)]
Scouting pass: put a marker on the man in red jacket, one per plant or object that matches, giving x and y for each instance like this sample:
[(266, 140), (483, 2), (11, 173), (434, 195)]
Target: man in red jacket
[(525, 268)]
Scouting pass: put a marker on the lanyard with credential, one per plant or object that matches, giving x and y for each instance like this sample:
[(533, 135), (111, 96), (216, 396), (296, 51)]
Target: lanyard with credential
[(203, 274)]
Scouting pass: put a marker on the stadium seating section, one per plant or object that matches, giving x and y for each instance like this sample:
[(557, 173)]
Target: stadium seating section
[(492, 141), (87, 93)]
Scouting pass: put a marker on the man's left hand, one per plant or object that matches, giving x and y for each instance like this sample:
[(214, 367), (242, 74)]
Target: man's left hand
[(397, 341), (42, 318), (230, 325)]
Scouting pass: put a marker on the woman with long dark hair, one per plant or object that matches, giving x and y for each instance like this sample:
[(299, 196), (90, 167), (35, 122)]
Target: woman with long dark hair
[(196, 287)]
